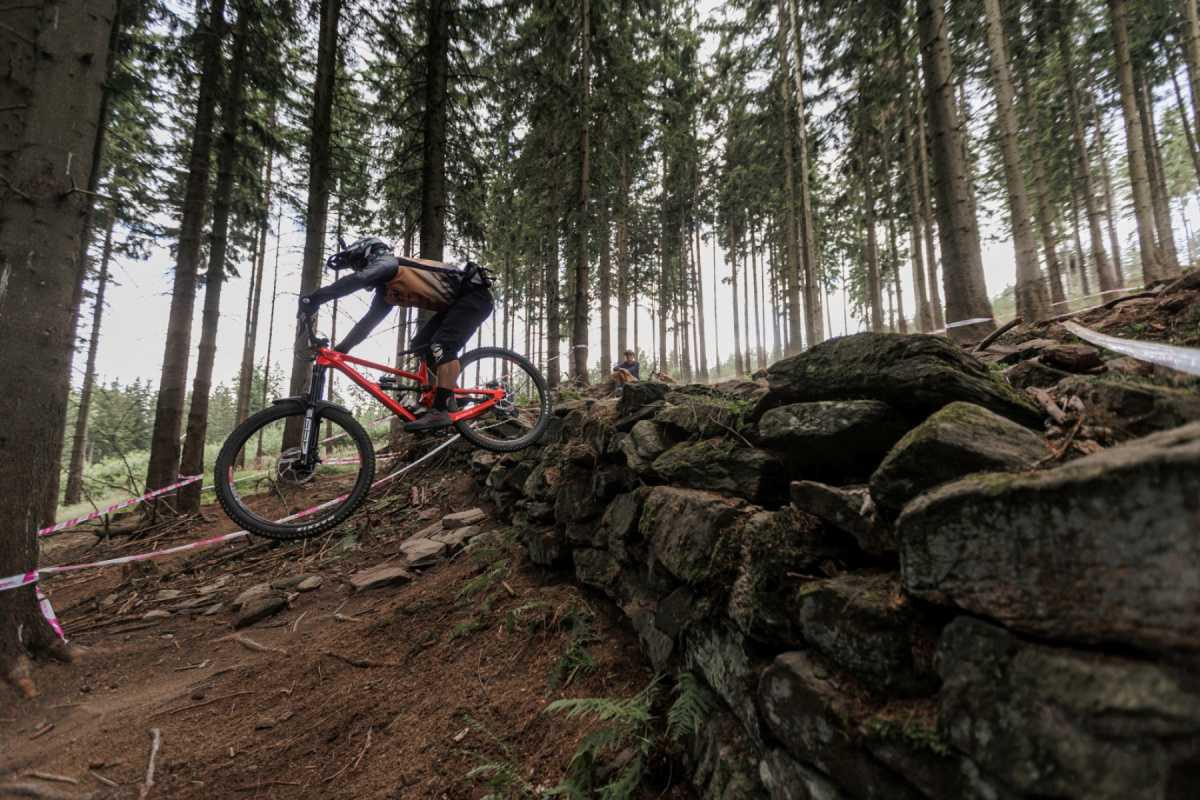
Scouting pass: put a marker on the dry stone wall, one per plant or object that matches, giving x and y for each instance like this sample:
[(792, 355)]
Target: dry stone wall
[(894, 589)]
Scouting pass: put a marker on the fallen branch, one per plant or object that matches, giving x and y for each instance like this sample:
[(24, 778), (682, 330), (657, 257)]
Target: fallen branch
[(996, 334), (155, 743), (1047, 403)]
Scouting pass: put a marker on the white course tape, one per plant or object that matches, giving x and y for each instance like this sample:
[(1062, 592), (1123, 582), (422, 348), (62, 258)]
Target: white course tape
[(962, 323), (1184, 359)]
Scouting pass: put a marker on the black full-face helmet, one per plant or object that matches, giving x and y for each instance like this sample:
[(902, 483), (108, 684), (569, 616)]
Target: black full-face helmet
[(359, 254)]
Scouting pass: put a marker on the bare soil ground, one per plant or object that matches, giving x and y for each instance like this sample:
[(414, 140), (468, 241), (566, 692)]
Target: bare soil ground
[(397, 692)]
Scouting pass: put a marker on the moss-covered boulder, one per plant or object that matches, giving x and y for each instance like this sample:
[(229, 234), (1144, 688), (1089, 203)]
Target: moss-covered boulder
[(1132, 409), (699, 415), (1052, 722), (960, 439), (723, 465), (832, 441), (847, 509), (684, 528), (915, 373), (865, 625), (1104, 549), (809, 711)]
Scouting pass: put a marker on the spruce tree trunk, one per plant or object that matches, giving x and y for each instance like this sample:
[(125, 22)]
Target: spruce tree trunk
[(1080, 261), (623, 264), (1033, 301), (433, 131), (163, 468), (701, 333), (1192, 52), (737, 333), (1152, 264), (271, 322), (606, 354), (790, 231), (1058, 297), (874, 288), (759, 357), (808, 245), (192, 461), (579, 315), (962, 274), (933, 285), (924, 317), (746, 303), (95, 173), (1110, 212), (1104, 270), (74, 491), (1193, 151), (250, 342), (552, 316), (1168, 255), (895, 258), (51, 90), (716, 308), (319, 181)]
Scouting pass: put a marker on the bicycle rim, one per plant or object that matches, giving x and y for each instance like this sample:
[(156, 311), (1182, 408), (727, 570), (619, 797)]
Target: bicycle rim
[(520, 418), (264, 486)]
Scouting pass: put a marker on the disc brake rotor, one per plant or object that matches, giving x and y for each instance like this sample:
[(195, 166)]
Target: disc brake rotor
[(290, 468)]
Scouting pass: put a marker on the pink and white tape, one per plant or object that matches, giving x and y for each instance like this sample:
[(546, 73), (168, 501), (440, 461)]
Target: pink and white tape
[(34, 575), (58, 527)]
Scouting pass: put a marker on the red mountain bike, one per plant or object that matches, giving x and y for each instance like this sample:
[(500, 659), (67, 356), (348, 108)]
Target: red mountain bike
[(303, 465)]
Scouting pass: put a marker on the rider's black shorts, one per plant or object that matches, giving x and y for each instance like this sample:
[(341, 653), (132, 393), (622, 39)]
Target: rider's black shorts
[(445, 333)]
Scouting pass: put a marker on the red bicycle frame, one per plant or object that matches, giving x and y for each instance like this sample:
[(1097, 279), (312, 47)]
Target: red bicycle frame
[(327, 357)]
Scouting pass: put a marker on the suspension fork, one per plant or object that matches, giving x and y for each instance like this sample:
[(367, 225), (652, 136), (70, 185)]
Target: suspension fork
[(309, 445)]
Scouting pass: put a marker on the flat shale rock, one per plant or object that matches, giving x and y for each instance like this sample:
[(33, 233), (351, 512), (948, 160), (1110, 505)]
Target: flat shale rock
[(960, 439), (422, 552), (259, 608), (1053, 722), (378, 577), (1100, 550), (461, 519), (914, 373)]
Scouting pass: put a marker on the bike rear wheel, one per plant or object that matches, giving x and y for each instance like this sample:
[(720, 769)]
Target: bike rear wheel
[(520, 419), (264, 487)]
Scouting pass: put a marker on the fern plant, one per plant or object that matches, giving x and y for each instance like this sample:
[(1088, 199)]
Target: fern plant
[(692, 706), (625, 724)]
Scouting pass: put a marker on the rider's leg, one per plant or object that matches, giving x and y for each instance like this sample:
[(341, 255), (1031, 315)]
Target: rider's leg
[(460, 323)]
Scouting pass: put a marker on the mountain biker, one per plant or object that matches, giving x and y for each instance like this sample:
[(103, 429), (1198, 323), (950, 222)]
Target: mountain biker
[(458, 294)]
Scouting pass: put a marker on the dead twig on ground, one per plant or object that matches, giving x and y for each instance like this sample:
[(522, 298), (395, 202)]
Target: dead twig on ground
[(250, 644), (181, 709), (361, 663), (1062, 449), (102, 779), (50, 776), (155, 743), (1047, 403)]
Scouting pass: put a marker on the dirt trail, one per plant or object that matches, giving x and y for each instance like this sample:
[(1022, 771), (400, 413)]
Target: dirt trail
[(396, 692)]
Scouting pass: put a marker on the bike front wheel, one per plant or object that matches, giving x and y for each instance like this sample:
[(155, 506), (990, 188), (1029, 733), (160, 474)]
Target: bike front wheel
[(520, 418), (263, 485)]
